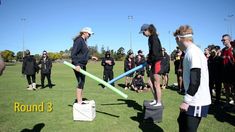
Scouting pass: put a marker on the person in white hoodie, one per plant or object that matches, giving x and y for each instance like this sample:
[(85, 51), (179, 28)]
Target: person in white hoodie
[(197, 97)]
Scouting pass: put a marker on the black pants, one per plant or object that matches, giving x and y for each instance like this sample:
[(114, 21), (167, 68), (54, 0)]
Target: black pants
[(218, 86), (29, 77), (48, 76), (80, 78), (188, 123), (108, 75)]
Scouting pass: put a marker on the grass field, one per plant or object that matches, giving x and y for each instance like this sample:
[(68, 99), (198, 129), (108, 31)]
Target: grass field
[(112, 112)]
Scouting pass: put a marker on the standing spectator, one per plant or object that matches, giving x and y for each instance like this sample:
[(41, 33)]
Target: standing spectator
[(215, 66), (165, 64), (29, 68), (196, 82), (179, 69), (80, 56), (2, 65), (139, 59), (148, 72), (129, 64), (46, 65), (228, 55), (154, 59), (207, 53), (108, 63)]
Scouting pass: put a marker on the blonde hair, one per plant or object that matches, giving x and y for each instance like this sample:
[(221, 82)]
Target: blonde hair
[(184, 30)]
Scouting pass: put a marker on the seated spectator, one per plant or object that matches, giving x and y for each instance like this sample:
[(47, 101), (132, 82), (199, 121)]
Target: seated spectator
[(138, 83)]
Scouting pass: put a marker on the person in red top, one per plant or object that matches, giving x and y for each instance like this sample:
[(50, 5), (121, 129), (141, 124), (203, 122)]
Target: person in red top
[(228, 55)]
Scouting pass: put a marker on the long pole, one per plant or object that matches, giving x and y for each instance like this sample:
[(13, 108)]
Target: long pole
[(231, 24), (169, 41), (130, 18), (98, 80), (23, 24), (229, 19)]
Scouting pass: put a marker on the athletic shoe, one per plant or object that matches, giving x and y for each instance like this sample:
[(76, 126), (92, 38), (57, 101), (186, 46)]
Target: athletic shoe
[(213, 92), (158, 104), (34, 86), (30, 88), (139, 91), (231, 102), (153, 102)]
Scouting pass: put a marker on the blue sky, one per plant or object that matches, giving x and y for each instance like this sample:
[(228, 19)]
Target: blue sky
[(51, 24)]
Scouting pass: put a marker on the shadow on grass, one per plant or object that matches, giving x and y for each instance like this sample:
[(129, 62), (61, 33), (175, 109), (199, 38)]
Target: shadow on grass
[(121, 85), (132, 104), (37, 128), (223, 113), (39, 85), (114, 104), (146, 126), (101, 112), (175, 88)]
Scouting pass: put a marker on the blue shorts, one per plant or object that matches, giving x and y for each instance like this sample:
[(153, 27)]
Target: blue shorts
[(198, 111)]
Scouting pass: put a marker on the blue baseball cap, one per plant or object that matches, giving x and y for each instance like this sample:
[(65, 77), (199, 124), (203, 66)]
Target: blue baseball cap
[(144, 27)]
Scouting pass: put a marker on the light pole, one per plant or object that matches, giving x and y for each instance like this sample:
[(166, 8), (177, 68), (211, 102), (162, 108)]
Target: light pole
[(169, 41), (130, 18), (23, 25), (229, 19)]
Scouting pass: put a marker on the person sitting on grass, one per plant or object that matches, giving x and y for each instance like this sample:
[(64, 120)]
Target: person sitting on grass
[(138, 83)]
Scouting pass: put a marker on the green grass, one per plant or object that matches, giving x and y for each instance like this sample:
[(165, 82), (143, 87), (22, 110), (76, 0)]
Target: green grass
[(113, 113)]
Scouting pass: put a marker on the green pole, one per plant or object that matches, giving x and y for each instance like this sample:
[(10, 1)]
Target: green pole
[(98, 80)]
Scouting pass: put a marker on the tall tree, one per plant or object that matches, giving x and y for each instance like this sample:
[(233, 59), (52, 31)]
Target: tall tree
[(120, 54), (7, 55), (19, 56)]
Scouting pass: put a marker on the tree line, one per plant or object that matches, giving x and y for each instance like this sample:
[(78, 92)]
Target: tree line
[(119, 55)]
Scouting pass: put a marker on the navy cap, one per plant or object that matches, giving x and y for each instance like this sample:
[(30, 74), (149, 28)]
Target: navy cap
[(144, 27)]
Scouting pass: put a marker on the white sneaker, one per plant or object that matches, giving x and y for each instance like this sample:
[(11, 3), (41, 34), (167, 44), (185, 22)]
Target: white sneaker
[(158, 104), (34, 86), (153, 102), (30, 87), (213, 92), (231, 102)]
